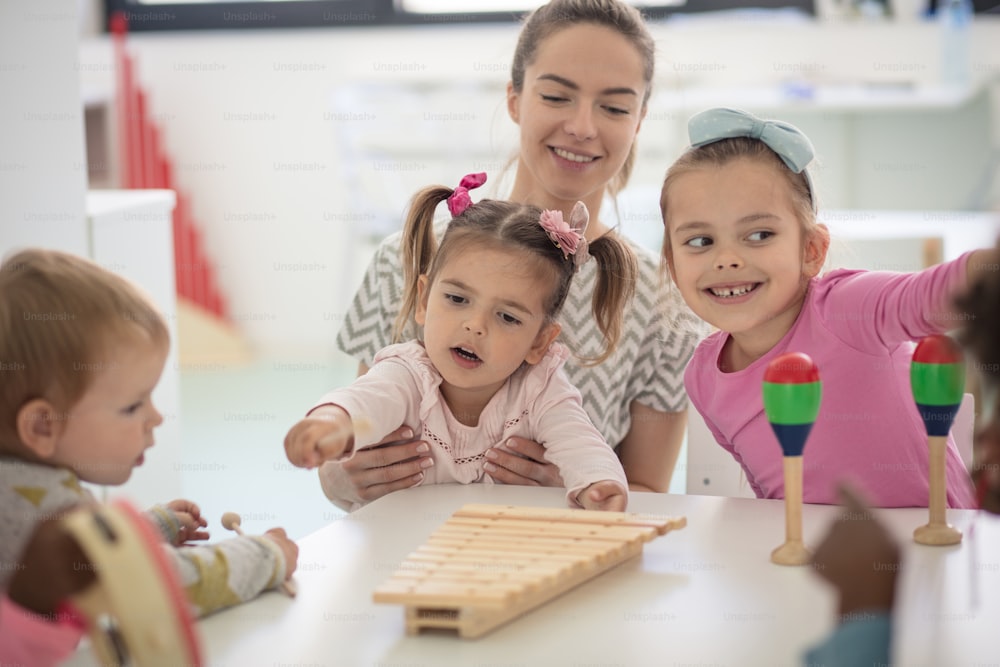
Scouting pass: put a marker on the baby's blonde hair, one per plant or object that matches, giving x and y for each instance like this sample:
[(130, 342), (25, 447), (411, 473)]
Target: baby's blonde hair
[(59, 315)]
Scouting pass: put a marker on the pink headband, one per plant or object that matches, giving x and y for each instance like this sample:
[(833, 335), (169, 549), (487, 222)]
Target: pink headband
[(459, 200), (568, 236)]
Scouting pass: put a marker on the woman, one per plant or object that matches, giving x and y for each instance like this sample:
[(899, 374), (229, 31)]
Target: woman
[(580, 82)]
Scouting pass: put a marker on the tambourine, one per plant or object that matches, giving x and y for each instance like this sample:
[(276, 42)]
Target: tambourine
[(136, 613)]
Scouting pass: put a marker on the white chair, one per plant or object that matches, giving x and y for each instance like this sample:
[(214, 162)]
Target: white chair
[(711, 470)]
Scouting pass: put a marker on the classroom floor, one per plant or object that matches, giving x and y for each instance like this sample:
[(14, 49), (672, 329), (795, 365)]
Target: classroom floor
[(233, 426)]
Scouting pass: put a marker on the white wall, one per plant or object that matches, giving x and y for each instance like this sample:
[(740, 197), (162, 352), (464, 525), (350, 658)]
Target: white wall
[(42, 166), (290, 176), (43, 182)]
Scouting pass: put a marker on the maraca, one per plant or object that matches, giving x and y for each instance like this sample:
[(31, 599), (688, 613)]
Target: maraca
[(792, 393), (937, 377)]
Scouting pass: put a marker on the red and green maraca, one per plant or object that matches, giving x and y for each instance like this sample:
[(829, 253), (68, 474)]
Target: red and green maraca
[(792, 394), (937, 378)]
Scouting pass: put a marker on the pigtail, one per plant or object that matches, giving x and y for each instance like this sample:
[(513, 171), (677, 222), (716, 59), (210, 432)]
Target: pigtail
[(616, 283), (418, 247)]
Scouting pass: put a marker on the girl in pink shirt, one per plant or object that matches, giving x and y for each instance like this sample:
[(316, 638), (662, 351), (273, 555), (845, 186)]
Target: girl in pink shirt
[(744, 246), (487, 367)]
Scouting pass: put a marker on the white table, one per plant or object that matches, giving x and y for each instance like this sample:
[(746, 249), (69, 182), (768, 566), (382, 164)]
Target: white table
[(704, 595)]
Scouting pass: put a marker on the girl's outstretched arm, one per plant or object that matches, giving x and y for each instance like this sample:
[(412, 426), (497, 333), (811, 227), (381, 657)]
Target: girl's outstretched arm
[(982, 263)]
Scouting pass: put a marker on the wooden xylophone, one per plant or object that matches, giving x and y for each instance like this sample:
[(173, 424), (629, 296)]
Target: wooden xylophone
[(489, 564)]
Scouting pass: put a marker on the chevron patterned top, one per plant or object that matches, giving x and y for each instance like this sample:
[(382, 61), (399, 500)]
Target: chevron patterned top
[(658, 338)]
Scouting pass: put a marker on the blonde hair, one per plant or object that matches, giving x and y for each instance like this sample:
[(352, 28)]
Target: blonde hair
[(724, 151), (512, 226), (60, 313)]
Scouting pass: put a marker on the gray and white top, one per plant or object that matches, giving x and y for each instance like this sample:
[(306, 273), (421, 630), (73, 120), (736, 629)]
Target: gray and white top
[(658, 337)]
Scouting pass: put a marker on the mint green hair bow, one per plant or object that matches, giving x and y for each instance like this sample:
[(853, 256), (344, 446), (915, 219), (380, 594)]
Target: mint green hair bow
[(786, 140)]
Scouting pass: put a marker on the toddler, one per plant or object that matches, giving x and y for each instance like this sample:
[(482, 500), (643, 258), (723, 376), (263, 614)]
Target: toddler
[(487, 367), (83, 351)]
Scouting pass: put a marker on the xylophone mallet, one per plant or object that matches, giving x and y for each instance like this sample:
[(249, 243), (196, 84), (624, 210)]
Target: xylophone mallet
[(792, 393)]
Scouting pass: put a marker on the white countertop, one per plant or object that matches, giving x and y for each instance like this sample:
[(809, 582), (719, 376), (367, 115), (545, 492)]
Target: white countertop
[(704, 595)]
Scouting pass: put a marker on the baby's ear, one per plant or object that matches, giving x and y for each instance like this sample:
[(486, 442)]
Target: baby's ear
[(544, 338), (38, 427)]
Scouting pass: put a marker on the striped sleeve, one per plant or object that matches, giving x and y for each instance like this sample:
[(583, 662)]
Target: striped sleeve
[(165, 521), (227, 573)]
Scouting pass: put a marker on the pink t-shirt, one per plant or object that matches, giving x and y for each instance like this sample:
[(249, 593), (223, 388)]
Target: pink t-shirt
[(537, 402), (859, 328)]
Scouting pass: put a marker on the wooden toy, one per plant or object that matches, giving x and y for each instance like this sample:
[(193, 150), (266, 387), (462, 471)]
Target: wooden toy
[(231, 521), (937, 377), (792, 393), (489, 564), (136, 612)]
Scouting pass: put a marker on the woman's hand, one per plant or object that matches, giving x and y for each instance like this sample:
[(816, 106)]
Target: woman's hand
[(397, 462), (521, 461)]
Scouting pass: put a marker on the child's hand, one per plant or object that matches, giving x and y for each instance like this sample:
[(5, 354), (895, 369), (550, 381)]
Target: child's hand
[(51, 568), (323, 436), (606, 495), (859, 558), (289, 548), (190, 519)]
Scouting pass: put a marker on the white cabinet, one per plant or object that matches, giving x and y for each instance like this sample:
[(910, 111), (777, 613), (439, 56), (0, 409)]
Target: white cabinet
[(130, 232)]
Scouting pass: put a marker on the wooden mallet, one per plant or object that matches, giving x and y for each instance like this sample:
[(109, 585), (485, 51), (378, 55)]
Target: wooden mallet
[(792, 393), (231, 521), (937, 377)]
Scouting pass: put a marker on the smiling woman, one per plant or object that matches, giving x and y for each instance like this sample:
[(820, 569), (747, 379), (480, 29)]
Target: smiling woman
[(580, 76)]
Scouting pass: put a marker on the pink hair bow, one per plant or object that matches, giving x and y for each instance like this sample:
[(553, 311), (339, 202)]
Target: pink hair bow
[(459, 200), (568, 236)]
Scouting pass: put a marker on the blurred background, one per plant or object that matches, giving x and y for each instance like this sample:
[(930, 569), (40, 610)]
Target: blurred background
[(242, 160)]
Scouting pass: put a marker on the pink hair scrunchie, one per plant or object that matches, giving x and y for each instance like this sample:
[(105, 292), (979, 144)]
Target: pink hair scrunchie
[(459, 200), (568, 236)]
